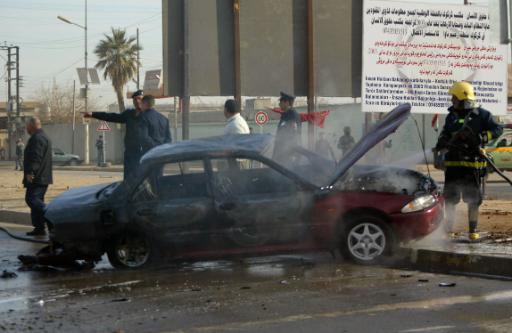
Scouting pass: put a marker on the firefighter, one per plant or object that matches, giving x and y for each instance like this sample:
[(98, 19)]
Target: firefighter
[(467, 129)]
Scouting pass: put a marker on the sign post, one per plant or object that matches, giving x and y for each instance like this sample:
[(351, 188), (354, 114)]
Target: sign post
[(261, 118), (103, 128)]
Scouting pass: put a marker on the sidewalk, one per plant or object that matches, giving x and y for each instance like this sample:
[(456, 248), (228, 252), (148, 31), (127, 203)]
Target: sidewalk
[(490, 258), (6, 165)]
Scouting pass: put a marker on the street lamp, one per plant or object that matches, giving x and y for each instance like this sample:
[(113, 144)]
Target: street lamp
[(63, 19)]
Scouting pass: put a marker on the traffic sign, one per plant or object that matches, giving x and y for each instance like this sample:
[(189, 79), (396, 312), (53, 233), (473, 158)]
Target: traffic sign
[(103, 127), (261, 118)]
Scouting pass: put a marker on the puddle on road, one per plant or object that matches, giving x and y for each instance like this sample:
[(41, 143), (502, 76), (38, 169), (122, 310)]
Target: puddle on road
[(36, 289)]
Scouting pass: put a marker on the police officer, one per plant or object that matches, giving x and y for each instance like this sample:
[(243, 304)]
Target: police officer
[(467, 128), (132, 119), (154, 127), (99, 148), (288, 132), (20, 147)]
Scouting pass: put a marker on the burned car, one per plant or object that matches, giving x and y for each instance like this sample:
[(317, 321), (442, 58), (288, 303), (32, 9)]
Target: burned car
[(223, 196)]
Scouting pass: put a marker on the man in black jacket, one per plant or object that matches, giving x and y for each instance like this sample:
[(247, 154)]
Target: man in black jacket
[(37, 174), (135, 139), (155, 129)]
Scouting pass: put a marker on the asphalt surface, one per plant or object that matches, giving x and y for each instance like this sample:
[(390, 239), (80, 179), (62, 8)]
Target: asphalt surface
[(286, 293)]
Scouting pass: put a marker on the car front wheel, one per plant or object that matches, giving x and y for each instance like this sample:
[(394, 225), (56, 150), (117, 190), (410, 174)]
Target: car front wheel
[(130, 251), (73, 162), (366, 240)]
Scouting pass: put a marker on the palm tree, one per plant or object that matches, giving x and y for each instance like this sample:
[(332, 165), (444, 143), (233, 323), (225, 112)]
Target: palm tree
[(117, 56)]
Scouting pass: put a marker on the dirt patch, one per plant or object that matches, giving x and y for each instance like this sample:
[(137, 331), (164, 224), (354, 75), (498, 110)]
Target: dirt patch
[(495, 217), (12, 192)]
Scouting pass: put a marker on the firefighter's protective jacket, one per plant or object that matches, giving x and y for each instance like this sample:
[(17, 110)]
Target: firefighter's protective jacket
[(464, 132)]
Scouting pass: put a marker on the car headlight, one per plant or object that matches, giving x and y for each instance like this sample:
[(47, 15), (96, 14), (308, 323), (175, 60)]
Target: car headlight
[(420, 203)]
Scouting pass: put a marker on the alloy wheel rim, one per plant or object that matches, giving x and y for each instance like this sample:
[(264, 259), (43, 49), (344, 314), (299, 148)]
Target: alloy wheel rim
[(366, 241), (133, 251)]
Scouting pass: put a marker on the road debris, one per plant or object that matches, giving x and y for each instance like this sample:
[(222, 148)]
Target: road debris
[(118, 300), (447, 284), (8, 275)]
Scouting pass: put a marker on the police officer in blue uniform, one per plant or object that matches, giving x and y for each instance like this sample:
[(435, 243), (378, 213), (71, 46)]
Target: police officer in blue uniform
[(154, 129), (136, 138), (467, 129), (288, 132)]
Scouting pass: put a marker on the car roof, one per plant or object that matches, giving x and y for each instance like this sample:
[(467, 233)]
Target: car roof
[(218, 145)]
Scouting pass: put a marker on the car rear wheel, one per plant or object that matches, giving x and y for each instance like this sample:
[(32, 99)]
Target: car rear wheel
[(130, 251), (366, 240)]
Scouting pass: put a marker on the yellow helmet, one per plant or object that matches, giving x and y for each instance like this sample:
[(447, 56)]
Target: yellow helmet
[(463, 91)]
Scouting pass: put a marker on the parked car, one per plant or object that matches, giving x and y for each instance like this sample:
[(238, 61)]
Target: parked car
[(61, 158), (500, 150), (223, 196)]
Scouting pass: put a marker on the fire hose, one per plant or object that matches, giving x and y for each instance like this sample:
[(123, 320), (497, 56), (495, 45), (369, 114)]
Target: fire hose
[(494, 167), (481, 152), (25, 239)]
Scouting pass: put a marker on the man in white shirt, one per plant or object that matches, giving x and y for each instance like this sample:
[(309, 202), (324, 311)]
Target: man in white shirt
[(236, 124)]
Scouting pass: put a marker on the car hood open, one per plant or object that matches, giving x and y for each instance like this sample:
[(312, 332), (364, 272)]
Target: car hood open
[(379, 132)]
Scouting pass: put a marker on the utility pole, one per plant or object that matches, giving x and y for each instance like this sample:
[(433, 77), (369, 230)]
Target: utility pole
[(185, 98), (138, 61), (236, 56), (311, 72), (74, 121), (86, 92), (86, 153), (14, 128)]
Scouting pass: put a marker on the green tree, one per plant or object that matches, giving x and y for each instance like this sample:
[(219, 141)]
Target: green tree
[(117, 56)]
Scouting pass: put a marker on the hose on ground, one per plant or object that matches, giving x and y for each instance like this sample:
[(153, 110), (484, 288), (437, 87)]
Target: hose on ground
[(25, 239)]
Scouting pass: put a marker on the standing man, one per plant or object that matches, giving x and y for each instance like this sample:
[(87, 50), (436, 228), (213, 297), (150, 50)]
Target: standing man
[(288, 130), (37, 175), (99, 149), (20, 147), (132, 119), (346, 141), (154, 128), (467, 128), (236, 124)]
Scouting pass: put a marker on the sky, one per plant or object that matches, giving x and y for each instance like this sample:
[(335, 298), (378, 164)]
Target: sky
[(52, 50)]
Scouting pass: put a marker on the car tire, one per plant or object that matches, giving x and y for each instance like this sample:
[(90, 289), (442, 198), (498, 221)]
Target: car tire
[(131, 250), (366, 240), (73, 162)]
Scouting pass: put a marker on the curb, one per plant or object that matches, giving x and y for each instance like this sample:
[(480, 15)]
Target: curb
[(461, 263), (92, 168), (15, 217)]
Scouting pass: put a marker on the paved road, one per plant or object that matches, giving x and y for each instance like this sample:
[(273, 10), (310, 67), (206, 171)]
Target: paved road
[(294, 293)]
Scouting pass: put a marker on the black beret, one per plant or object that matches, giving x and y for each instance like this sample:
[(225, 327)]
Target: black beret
[(138, 93), (287, 97)]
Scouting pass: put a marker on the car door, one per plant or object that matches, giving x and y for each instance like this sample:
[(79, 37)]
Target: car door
[(501, 151), (257, 204), (58, 156), (173, 204)]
